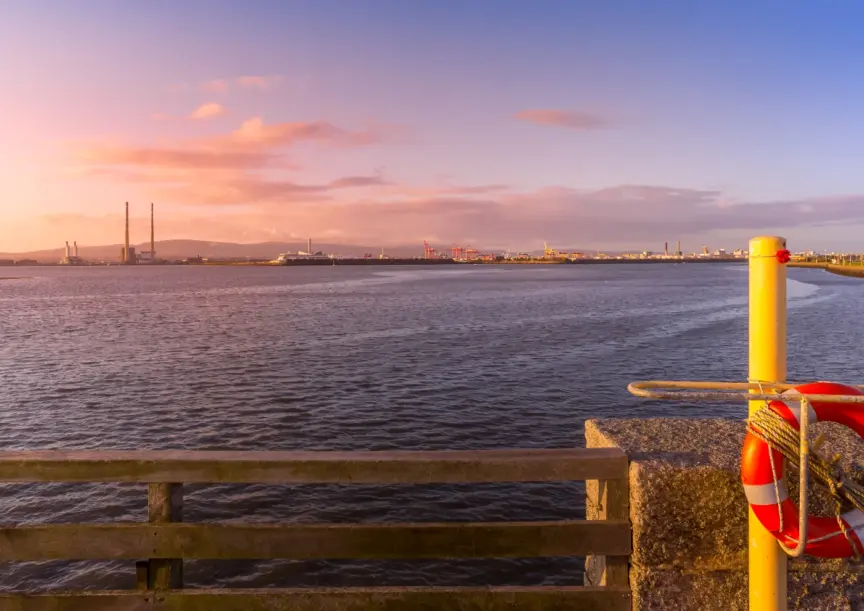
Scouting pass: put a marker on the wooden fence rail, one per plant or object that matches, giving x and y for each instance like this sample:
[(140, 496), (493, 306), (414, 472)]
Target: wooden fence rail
[(165, 540)]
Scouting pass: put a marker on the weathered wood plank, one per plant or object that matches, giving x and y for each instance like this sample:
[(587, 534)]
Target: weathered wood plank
[(165, 505), (313, 467), (615, 505), (315, 541), (354, 599)]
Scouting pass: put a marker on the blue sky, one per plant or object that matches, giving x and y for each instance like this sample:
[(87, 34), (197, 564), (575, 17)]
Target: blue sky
[(736, 109)]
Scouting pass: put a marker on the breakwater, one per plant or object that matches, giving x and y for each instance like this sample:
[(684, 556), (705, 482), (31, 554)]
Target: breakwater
[(370, 262), (853, 271)]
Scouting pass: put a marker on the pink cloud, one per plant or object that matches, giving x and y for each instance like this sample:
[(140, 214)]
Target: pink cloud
[(357, 181), (571, 119), (216, 86), (254, 146), (258, 82), (254, 132), (249, 189), (563, 216), (174, 158), (211, 110), (223, 85)]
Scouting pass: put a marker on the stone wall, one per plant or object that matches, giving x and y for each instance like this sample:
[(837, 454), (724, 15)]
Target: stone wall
[(689, 517)]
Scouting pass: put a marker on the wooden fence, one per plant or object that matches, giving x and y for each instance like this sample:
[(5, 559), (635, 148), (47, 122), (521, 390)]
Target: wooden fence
[(160, 545)]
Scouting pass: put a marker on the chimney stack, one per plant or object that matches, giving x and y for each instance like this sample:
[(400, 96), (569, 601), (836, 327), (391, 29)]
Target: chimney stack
[(76, 248), (309, 248), (152, 234), (126, 249), (67, 250), (666, 248)]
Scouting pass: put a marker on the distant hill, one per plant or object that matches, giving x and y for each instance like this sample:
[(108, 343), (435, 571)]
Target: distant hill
[(173, 250), (182, 249)]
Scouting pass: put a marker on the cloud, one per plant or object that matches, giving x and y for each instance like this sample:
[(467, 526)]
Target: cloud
[(239, 168), (216, 86), (258, 82), (176, 158), (571, 119), (244, 189), (357, 181), (255, 145), (255, 132), (211, 110), (251, 81), (612, 217), (621, 216)]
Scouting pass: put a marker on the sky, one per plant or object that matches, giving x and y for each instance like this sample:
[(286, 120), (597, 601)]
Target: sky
[(498, 124)]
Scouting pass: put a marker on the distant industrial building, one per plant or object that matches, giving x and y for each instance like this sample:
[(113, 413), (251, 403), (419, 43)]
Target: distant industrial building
[(288, 257), (128, 254), (71, 255)]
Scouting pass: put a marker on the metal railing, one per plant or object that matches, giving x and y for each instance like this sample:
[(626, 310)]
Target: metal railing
[(724, 391), (755, 391)]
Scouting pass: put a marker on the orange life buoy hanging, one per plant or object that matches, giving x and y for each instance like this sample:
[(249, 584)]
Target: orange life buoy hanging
[(763, 474)]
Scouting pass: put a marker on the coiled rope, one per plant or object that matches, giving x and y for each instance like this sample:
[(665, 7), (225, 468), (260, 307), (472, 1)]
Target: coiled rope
[(773, 429)]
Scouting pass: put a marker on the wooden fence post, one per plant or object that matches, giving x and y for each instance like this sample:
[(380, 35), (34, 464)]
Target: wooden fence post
[(615, 505), (164, 505), (608, 500)]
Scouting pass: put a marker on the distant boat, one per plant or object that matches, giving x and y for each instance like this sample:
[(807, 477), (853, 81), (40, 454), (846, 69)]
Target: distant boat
[(286, 258)]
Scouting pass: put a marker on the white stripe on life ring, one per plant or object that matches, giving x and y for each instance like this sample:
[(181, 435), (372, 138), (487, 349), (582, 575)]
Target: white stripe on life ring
[(766, 494), (795, 408), (855, 520)]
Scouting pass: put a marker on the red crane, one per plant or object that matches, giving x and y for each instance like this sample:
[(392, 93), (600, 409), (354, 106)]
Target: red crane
[(471, 253), (428, 251), (458, 252)]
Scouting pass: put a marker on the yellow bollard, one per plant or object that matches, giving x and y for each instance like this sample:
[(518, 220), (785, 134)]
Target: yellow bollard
[(767, 561)]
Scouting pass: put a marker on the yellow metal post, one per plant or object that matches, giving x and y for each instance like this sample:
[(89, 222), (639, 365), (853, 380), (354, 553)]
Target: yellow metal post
[(767, 561)]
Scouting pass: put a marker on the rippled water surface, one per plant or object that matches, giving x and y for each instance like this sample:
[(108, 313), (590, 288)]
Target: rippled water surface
[(366, 358)]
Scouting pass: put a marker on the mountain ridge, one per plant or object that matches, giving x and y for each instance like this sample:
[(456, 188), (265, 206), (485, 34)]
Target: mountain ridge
[(182, 249)]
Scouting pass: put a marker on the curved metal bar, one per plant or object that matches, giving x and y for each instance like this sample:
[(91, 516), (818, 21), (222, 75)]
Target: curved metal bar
[(754, 391), (803, 475), (724, 391)]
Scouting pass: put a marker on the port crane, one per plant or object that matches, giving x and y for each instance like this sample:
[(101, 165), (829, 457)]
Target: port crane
[(428, 251)]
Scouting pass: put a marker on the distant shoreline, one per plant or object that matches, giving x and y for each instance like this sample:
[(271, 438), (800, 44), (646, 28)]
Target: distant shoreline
[(852, 271), (451, 262), (415, 262)]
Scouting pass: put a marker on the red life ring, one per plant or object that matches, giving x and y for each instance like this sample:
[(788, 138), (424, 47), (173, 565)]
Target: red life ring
[(825, 539)]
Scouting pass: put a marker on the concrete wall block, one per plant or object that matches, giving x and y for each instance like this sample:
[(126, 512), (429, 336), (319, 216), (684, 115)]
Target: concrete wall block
[(689, 515), (678, 590)]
